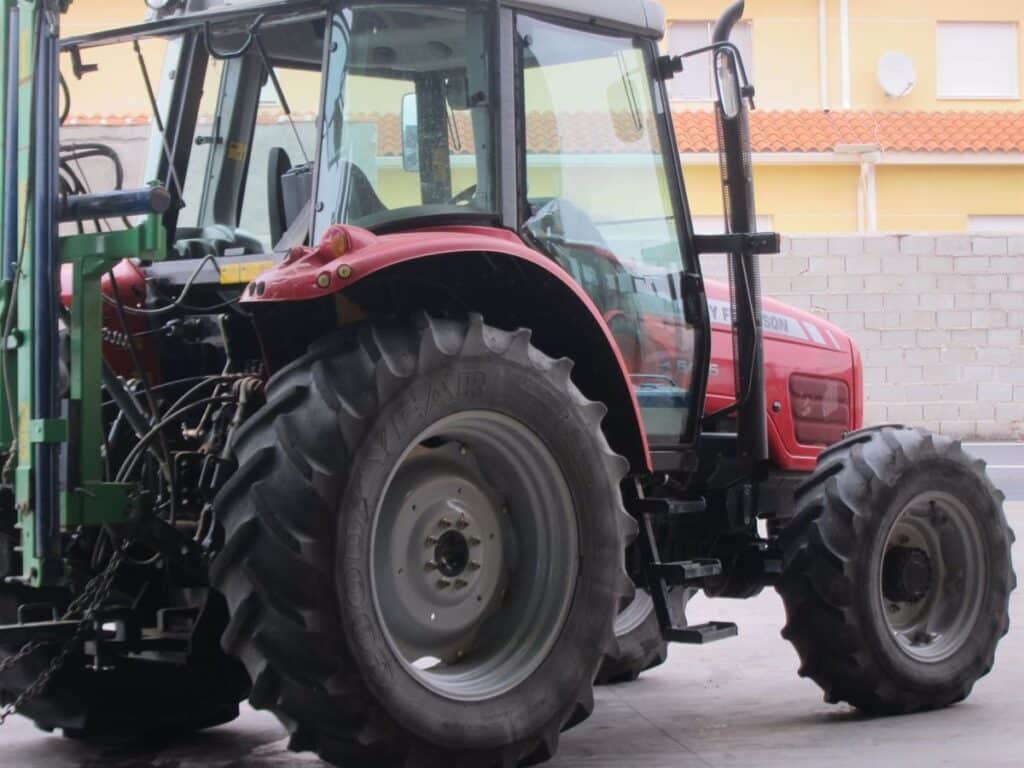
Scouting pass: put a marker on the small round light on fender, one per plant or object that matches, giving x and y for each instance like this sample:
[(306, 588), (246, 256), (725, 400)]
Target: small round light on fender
[(344, 271), (323, 280), (339, 243)]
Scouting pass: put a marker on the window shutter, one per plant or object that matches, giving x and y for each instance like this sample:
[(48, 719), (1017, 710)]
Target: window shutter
[(696, 83), (978, 60)]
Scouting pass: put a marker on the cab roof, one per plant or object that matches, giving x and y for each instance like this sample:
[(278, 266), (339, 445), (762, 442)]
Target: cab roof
[(644, 17), (641, 17)]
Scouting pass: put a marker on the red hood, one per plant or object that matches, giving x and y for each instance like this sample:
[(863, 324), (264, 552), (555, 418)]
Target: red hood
[(795, 343)]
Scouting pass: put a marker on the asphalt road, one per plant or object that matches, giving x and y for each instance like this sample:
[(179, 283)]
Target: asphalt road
[(1005, 465), (735, 703)]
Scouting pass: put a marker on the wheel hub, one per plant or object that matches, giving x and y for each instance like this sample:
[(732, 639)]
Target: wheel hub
[(456, 551), (906, 575), (474, 555), (447, 549), (932, 576), (452, 554)]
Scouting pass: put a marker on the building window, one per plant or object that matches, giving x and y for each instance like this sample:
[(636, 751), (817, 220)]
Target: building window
[(978, 60), (695, 83)]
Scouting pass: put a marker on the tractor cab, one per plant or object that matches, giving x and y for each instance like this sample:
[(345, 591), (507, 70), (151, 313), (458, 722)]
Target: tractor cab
[(274, 124)]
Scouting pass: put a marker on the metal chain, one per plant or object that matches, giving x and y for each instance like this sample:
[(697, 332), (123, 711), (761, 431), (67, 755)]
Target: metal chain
[(24, 653), (87, 604)]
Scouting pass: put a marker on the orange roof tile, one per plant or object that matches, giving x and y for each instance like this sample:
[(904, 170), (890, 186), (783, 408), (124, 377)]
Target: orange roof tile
[(771, 131), (816, 131)]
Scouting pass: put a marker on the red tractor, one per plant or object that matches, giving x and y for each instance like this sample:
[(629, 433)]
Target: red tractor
[(415, 440)]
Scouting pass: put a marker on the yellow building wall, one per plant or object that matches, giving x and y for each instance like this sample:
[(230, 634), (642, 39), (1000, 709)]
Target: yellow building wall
[(800, 199), (940, 199), (787, 52), (823, 199), (117, 88), (785, 67), (911, 26)]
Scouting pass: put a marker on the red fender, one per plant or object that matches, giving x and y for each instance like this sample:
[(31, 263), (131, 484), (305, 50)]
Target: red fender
[(347, 255)]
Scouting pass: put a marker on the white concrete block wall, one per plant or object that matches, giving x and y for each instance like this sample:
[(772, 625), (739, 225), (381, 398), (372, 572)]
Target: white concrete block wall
[(939, 320)]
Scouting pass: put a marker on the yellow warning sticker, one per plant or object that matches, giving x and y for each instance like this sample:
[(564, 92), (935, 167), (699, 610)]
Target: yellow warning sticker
[(237, 150), (246, 272)]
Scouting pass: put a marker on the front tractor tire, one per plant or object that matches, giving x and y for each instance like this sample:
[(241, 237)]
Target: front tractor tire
[(424, 547), (897, 572)]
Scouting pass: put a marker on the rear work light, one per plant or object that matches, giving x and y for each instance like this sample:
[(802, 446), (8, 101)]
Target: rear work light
[(821, 409)]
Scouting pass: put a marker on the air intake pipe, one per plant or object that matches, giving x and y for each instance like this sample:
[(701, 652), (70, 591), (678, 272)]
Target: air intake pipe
[(741, 217)]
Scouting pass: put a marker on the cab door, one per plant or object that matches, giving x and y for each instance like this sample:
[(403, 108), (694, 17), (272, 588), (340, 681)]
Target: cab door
[(604, 200)]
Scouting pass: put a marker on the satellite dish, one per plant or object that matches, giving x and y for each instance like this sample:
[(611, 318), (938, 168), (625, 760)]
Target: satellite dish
[(897, 74)]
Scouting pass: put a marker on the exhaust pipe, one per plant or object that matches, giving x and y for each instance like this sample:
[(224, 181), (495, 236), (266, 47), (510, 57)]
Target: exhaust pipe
[(741, 218)]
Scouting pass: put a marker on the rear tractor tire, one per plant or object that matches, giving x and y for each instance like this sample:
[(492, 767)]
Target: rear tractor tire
[(641, 646), (424, 547), (897, 572)]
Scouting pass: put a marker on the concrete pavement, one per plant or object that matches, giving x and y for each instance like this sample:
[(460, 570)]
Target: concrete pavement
[(738, 702)]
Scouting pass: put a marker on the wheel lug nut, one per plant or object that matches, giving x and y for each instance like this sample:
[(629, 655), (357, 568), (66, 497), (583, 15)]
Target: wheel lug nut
[(462, 523), (444, 522), (443, 583), (474, 566), (431, 541), (430, 566), (474, 541), (461, 583)]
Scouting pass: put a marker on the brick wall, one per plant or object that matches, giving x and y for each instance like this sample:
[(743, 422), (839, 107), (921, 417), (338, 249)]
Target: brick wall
[(939, 320)]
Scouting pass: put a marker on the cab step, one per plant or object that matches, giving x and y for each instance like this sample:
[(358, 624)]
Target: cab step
[(662, 508), (685, 573), (702, 634)]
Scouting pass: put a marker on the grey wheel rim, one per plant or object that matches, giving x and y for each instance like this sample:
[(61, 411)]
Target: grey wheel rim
[(633, 616), (475, 552), (933, 577)]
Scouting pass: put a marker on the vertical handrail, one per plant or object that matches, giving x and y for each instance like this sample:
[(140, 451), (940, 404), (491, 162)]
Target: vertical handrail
[(45, 284), (13, 115)]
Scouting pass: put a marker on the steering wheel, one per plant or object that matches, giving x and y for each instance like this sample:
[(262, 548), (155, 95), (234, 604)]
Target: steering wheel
[(464, 197)]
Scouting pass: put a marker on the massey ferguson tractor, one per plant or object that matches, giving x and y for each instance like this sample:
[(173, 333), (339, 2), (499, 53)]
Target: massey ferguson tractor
[(411, 420)]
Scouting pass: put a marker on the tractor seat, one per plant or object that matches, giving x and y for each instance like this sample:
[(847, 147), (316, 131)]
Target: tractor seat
[(290, 190), (278, 164), (363, 200)]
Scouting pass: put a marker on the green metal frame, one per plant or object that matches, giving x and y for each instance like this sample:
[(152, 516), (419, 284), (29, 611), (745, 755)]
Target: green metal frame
[(19, 345), (86, 500)]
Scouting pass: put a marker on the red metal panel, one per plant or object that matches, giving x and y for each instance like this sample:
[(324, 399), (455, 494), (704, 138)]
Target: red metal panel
[(795, 342), (131, 286)]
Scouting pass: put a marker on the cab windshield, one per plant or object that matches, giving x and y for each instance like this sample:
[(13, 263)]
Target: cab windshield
[(408, 123)]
